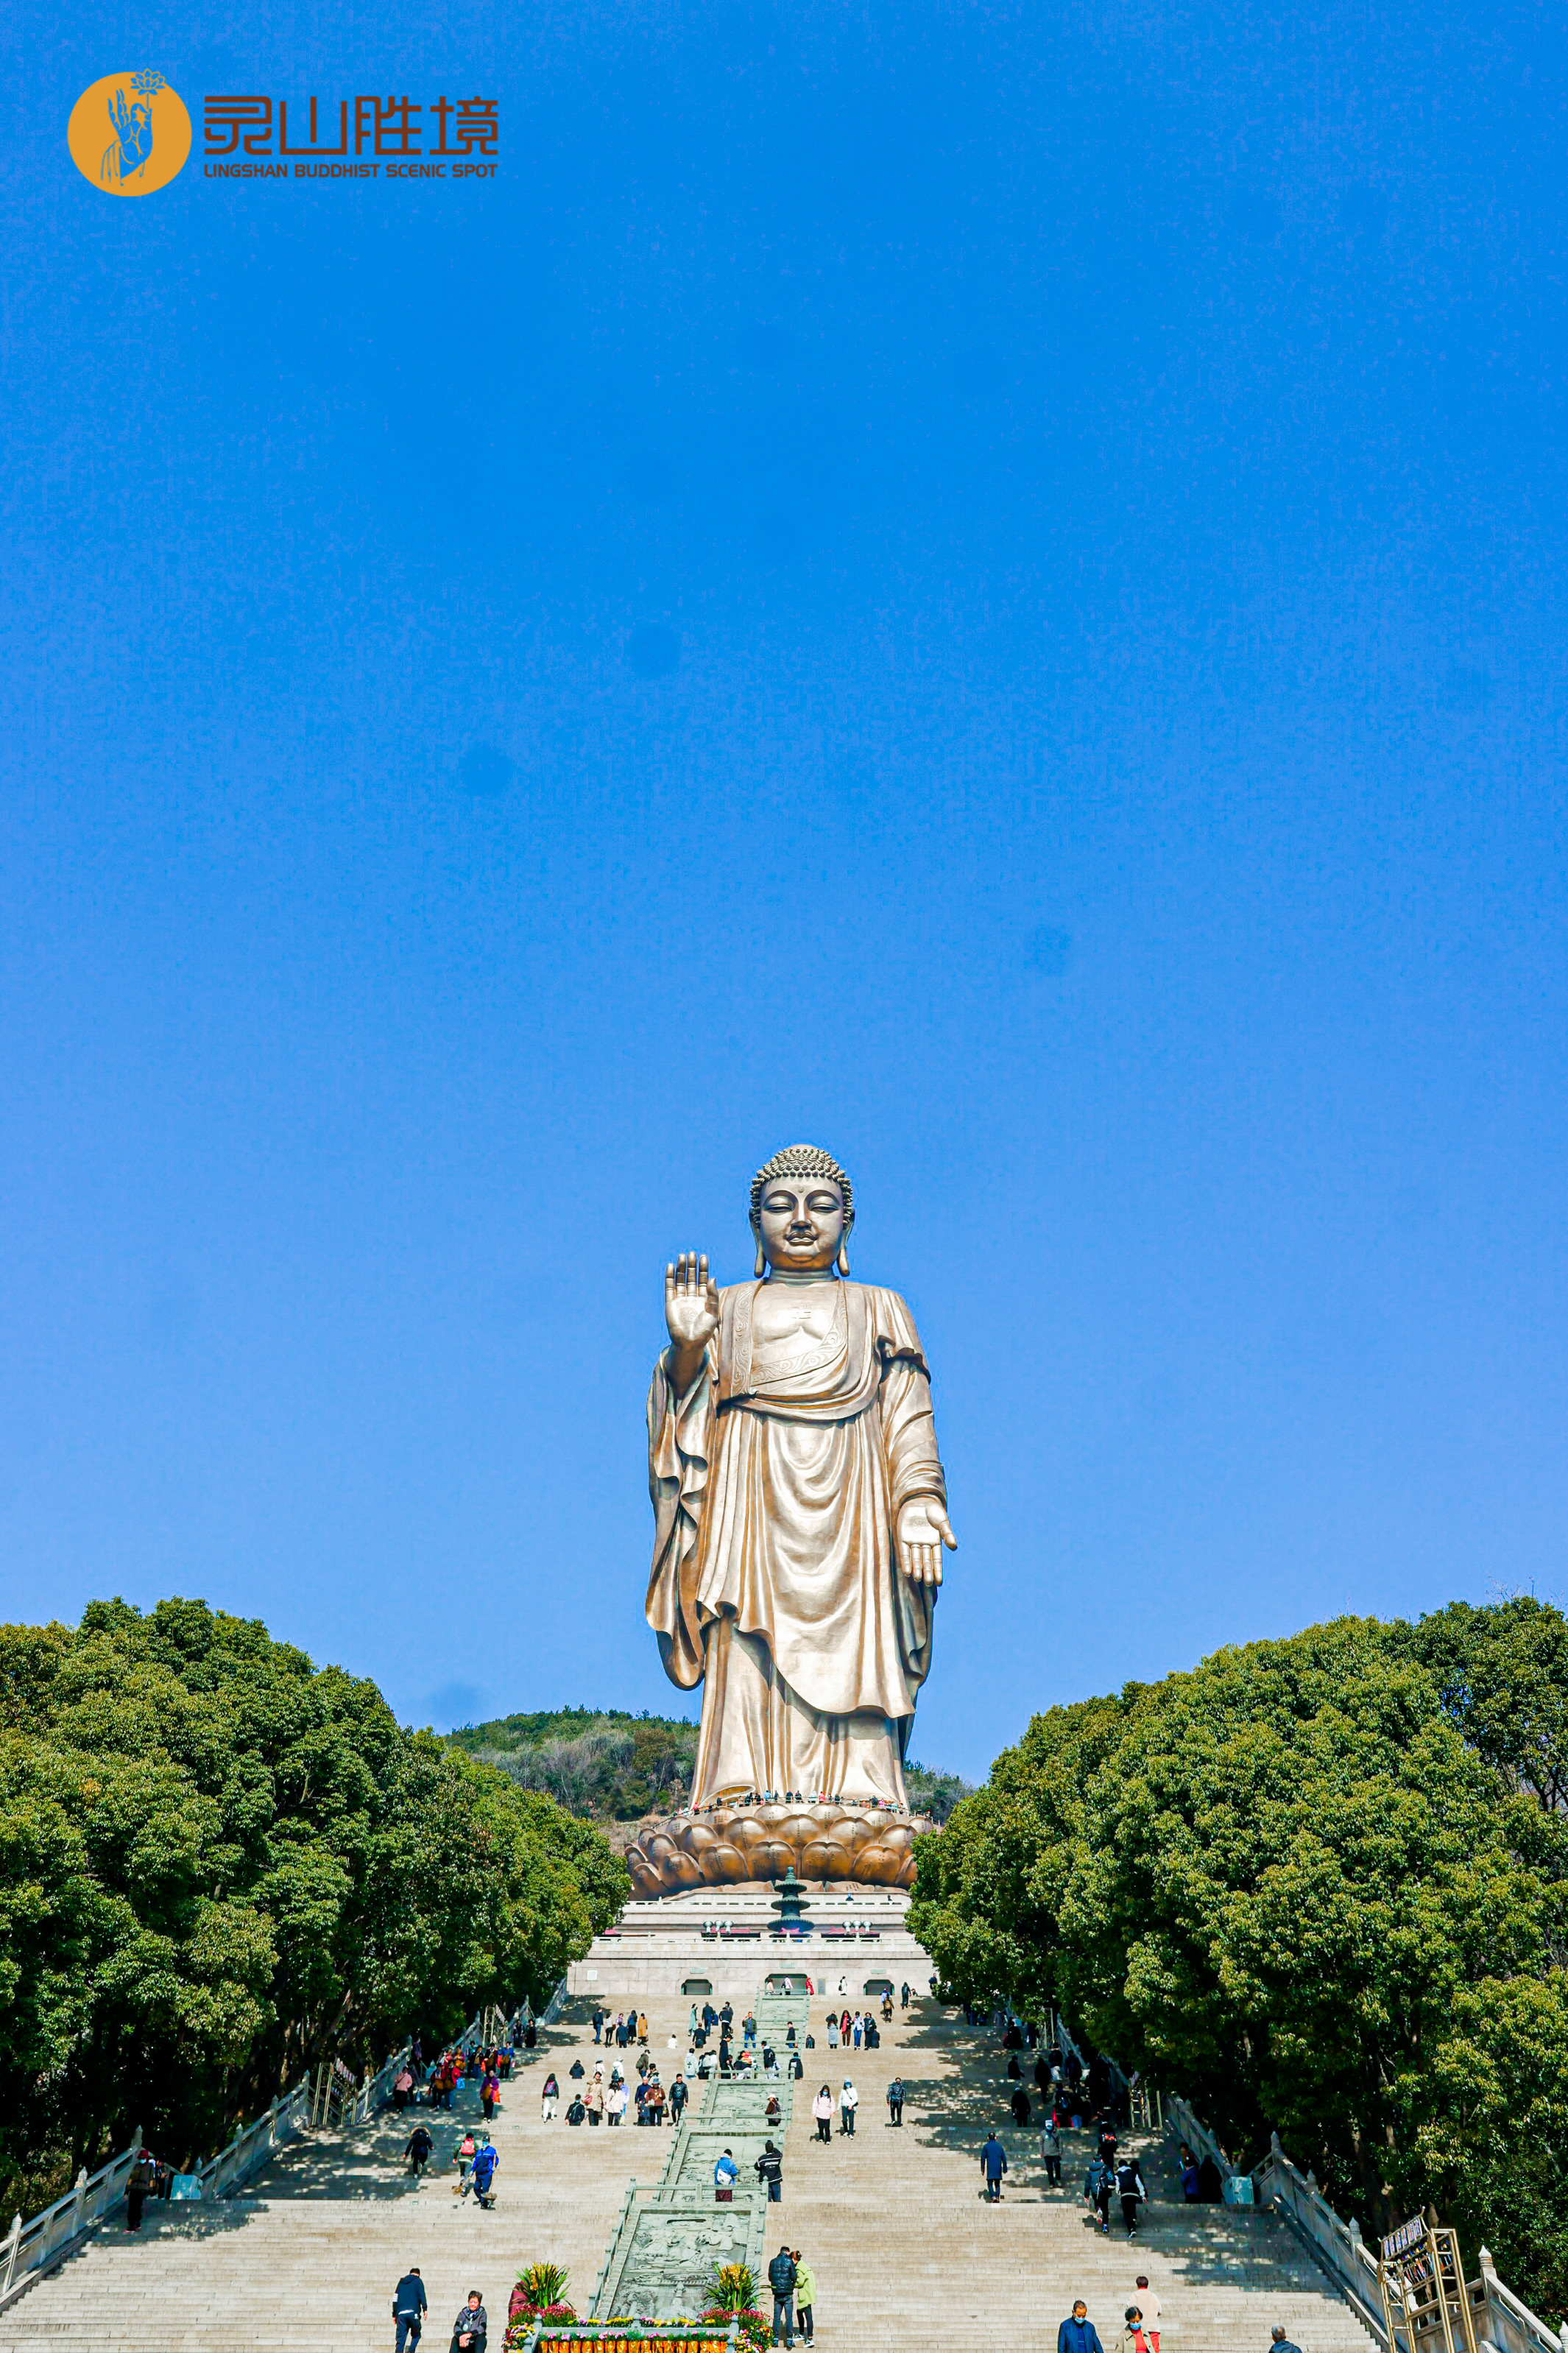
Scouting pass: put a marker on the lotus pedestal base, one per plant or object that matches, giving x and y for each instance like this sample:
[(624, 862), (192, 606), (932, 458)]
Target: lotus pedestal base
[(735, 1843)]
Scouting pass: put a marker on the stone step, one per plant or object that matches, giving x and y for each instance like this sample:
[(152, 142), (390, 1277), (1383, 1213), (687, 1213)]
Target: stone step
[(908, 2257)]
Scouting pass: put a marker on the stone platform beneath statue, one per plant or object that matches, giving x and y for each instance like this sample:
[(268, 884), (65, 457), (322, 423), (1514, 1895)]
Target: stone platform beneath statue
[(727, 1943), (727, 1845)]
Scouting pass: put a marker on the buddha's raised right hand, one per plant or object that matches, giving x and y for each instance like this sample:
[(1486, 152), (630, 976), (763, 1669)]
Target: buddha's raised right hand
[(691, 1311)]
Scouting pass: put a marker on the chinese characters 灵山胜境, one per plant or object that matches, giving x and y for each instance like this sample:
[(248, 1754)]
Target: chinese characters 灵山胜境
[(389, 126)]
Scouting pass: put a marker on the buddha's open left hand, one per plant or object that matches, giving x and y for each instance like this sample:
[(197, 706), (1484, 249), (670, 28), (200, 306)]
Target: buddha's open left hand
[(924, 1528)]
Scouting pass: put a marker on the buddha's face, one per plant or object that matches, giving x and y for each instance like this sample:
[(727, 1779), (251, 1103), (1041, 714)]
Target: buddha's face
[(802, 1223)]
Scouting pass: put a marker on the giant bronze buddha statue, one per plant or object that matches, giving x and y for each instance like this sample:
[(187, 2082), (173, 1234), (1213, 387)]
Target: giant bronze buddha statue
[(800, 1516)]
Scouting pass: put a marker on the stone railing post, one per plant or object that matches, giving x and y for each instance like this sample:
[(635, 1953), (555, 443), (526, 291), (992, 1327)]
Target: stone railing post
[(13, 2241), (1315, 2206), (78, 2201), (1488, 2271)]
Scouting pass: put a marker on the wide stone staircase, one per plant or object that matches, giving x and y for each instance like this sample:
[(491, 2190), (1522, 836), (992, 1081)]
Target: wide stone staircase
[(906, 2253)]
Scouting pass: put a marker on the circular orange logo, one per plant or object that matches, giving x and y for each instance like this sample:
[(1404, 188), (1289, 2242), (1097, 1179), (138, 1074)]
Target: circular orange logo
[(129, 133)]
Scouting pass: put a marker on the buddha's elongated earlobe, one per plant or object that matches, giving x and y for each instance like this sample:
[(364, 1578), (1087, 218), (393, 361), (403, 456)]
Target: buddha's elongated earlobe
[(762, 1262), (843, 1257)]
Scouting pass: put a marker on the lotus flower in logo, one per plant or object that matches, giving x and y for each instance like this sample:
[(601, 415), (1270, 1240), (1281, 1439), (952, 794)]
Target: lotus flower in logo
[(131, 144)]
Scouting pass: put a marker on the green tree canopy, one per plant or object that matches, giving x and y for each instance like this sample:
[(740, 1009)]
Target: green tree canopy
[(1317, 1885), (219, 1863)]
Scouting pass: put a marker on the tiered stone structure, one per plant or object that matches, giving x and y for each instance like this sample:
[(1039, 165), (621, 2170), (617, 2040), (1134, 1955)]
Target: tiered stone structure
[(908, 2258), (726, 1941), (660, 2262)]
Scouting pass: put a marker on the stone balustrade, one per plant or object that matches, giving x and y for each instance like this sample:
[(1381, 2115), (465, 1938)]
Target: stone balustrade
[(30, 2249), (1504, 2322)]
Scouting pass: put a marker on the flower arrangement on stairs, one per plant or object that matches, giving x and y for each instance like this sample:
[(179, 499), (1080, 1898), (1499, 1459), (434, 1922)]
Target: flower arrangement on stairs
[(540, 2294), (734, 2290), (539, 2300), (754, 2333)]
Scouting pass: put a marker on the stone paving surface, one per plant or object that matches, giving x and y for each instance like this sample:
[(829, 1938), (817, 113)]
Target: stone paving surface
[(908, 2256)]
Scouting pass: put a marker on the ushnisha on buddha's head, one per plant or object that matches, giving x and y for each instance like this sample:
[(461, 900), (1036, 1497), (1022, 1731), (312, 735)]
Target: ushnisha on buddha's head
[(802, 1205)]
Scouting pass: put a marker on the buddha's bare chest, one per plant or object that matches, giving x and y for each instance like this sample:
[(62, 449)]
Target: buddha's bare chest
[(786, 1313)]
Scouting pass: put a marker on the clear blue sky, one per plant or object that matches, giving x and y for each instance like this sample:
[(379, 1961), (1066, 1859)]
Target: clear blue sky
[(1088, 487)]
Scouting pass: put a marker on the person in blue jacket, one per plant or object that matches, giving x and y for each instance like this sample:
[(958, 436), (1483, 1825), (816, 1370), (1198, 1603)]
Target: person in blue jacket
[(993, 2165), (483, 2174), (408, 2307), (1078, 2334)]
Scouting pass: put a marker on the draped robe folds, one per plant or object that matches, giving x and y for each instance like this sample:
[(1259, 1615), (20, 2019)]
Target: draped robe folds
[(777, 1479)]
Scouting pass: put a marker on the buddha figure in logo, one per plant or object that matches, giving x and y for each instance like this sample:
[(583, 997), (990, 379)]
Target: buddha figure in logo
[(799, 1505)]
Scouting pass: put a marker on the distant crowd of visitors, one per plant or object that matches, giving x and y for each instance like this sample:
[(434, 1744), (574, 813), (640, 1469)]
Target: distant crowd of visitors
[(734, 1801), (1070, 2098), (485, 2069)]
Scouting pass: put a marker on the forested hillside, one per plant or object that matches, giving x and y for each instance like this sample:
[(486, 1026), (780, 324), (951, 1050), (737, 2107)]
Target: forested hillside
[(599, 1763), (610, 1767), (220, 1863)]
